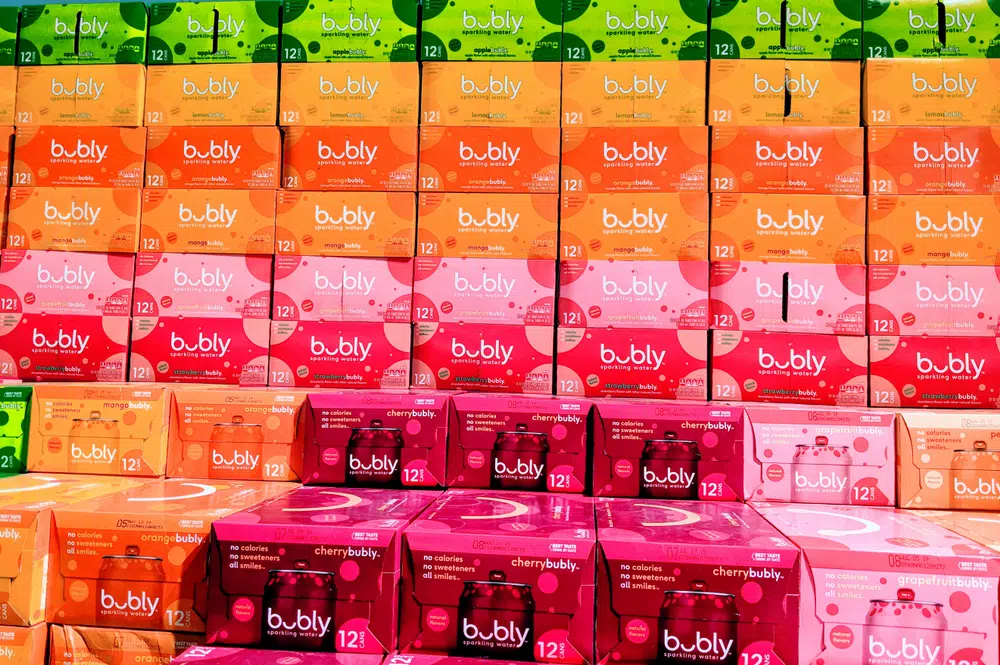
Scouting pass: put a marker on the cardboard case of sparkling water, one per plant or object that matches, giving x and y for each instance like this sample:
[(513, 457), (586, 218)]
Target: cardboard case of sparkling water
[(676, 578), (885, 585)]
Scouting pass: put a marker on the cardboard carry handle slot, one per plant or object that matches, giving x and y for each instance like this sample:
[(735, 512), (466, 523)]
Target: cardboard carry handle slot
[(783, 35), (784, 297), (787, 92), (215, 31), (76, 35), (942, 26)]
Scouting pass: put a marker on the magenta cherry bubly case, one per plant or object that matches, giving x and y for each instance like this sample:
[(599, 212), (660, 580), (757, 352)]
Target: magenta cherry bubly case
[(317, 569), (480, 290), (669, 450), (691, 582), (376, 439), (502, 575), (634, 294), (884, 586), (224, 286), (328, 288), (236, 656), (506, 442), (822, 455), (53, 283)]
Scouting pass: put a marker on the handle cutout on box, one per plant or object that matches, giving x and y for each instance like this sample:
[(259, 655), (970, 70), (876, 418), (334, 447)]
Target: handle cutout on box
[(784, 297), (215, 32), (76, 35), (942, 23)]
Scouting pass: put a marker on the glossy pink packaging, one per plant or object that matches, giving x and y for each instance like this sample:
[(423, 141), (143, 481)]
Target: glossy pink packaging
[(940, 301), (632, 362), (222, 285), (665, 295), (694, 582), (504, 575), (236, 656), (316, 569), (39, 282), (788, 297), (416, 658), (938, 372), (829, 370), (709, 440), (379, 439), (502, 358), (884, 586), (326, 288), (821, 455), (503, 291), (199, 349), (338, 354), (63, 347), (506, 442)]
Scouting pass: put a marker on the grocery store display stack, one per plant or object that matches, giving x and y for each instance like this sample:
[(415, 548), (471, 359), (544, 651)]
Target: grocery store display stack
[(485, 279), (350, 91), (931, 94), (67, 270), (203, 275), (633, 302), (788, 209)]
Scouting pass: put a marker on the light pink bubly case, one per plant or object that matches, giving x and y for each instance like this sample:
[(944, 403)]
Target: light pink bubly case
[(327, 288), (785, 297), (882, 586), (53, 283), (821, 455), (634, 294), (934, 300), (220, 285), (508, 291)]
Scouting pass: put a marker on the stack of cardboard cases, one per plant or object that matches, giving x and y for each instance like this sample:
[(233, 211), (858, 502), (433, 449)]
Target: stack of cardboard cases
[(350, 98), (67, 270), (485, 280), (633, 304), (788, 215), (203, 275), (930, 104)]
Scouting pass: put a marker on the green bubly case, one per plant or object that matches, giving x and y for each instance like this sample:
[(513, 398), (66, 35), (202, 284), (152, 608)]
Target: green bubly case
[(813, 29), (620, 30), (194, 33), (15, 421), (913, 29), (513, 31), (8, 36), (112, 33), (339, 31)]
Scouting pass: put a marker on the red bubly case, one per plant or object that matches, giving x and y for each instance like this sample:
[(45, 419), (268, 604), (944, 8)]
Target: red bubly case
[(199, 350), (40, 347)]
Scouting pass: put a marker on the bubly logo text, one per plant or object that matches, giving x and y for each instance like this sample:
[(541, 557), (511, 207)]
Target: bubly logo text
[(487, 284), (209, 279), (507, 633), (505, 21), (640, 220), (493, 153), (648, 153), (790, 153), (651, 23), (78, 213), (352, 217), (494, 220), (966, 224), (950, 154), (820, 481), (952, 85), (240, 460), (223, 151), (214, 344), (361, 87), (710, 645), (79, 88), (227, 26), (216, 88), (363, 24), (82, 150), (350, 282), (142, 604), (96, 453), (212, 215), (804, 222), (672, 478), (646, 357), (68, 341), (793, 19), (522, 469), (496, 87), (917, 652), (955, 365), (90, 27), (963, 293), (77, 277), (494, 351), (349, 348), (804, 293), (639, 287), (303, 623), (797, 362), (360, 153), (648, 86)]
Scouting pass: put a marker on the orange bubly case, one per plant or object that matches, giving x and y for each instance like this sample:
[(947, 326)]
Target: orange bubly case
[(349, 93), (634, 159), (27, 564), (933, 160), (361, 224), (98, 429), (350, 158), (229, 434), (633, 93), (83, 219), (79, 156), (24, 646), (95, 95), (8, 94), (213, 157), (208, 221), (90, 645), (490, 94), (785, 92), (137, 559), (777, 160), (226, 94)]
